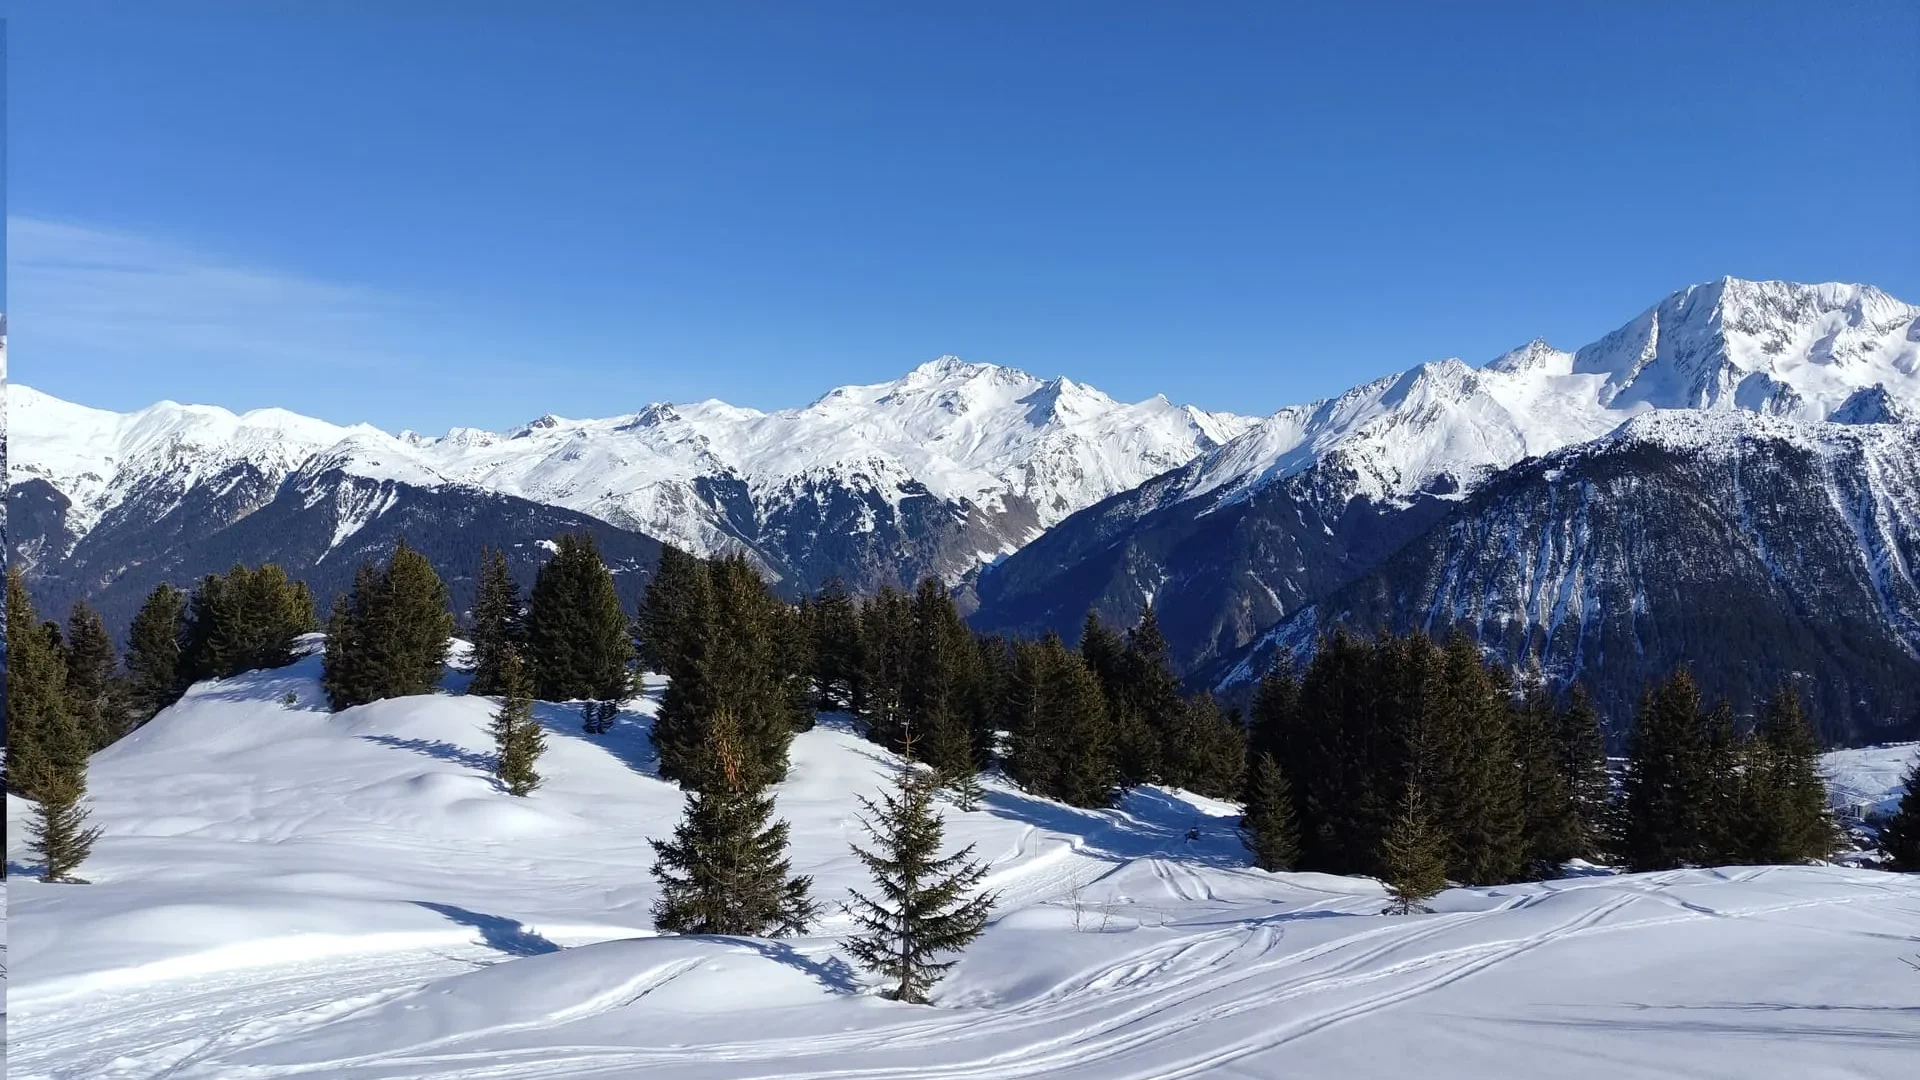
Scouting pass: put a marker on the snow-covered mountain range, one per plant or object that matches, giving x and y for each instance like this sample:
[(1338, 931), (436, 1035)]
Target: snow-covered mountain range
[(1316, 496), (1043, 499), (952, 465)]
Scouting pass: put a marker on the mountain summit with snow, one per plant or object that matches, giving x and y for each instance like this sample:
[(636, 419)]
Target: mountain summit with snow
[(949, 466), (1309, 499)]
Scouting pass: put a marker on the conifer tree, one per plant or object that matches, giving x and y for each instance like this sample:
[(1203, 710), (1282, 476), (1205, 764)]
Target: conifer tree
[(886, 642), (1552, 830), (726, 871), (1104, 652), (793, 659), (45, 745), (1667, 779), (1060, 738), (1900, 834), (1474, 790), (1276, 706), (578, 641), (669, 613), (1785, 812), (939, 691), (518, 740), (1206, 752), (497, 628), (154, 661), (389, 638), (835, 629), (1724, 787), (97, 693), (60, 836), (1267, 824), (1152, 691), (994, 661), (922, 907), (734, 663), (1349, 760), (244, 620), (1413, 856), (1583, 770)]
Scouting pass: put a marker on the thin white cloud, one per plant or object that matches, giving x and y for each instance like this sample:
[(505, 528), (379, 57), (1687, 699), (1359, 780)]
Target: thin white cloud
[(108, 291)]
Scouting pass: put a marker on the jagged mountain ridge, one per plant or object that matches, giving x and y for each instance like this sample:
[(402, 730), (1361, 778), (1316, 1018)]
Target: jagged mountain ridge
[(1747, 546), (932, 473), (1316, 495)]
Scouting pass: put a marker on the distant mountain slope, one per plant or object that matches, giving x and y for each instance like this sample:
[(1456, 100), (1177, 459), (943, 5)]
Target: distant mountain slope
[(952, 465), (1315, 495), (1751, 548)]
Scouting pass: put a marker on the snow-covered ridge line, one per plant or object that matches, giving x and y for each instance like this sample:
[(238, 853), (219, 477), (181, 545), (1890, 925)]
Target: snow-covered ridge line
[(1845, 353), (981, 433)]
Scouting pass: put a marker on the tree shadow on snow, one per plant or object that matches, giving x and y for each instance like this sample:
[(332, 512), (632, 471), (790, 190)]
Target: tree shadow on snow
[(497, 933), (437, 748), (833, 973), (630, 740)]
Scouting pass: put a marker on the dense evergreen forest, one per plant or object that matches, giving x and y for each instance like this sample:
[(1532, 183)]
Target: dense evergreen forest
[(1401, 757)]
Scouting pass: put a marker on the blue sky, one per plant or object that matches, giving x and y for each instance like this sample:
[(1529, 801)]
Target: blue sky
[(473, 214)]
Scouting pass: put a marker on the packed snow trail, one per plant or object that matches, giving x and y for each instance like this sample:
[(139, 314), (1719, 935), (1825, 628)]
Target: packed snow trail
[(287, 893)]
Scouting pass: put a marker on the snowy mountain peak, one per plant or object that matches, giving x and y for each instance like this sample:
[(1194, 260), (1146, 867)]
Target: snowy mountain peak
[(1872, 405), (1012, 445), (1802, 352), (1535, 355)]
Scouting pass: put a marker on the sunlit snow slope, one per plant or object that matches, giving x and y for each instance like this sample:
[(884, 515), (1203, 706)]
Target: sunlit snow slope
[(282, 892)]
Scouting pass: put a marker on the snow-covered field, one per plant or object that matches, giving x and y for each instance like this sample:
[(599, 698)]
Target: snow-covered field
[(1869, 780), (282, 892)]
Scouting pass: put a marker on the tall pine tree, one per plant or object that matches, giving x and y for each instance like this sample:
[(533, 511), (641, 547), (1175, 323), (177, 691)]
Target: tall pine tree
[(389, 638), (44, 741), (726, 871), (518, 739), (497, 624), (1581, 745), (245, 620), (1150, 691), (1267, 823), (1061, 739), (1552, 830), (1668, 779), (922, 906), (886, 649), (940, 689), (671, 611), (578, 641), (47, 747), (734, 663), (154, 662), (97, 693), (835, 631), (1784, 812)]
